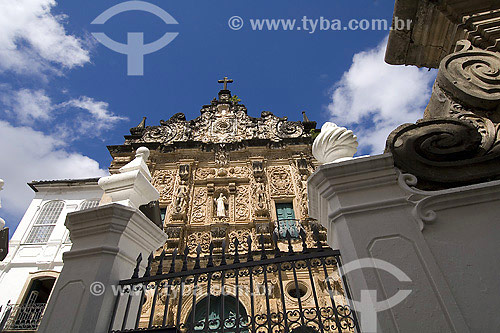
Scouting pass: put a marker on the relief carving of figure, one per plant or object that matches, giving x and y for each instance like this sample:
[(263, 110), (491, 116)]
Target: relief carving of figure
[(181, 198), (221, 202)]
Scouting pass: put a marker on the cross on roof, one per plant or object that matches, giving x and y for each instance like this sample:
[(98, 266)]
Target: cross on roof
[(225, 81)]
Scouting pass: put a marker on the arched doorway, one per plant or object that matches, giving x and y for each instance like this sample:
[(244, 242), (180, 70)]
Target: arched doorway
[(215, 315)]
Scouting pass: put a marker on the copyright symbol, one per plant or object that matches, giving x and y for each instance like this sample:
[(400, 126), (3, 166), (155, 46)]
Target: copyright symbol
[(235, 23), (97, 288)]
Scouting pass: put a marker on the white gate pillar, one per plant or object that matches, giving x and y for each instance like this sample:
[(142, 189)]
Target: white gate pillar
[(364, 207), (106, 243)]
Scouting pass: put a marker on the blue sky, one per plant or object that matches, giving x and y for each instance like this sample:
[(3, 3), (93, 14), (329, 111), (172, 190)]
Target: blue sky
[(64, 96)]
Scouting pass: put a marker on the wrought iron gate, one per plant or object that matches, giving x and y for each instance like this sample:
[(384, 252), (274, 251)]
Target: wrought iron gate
[(290, 287)]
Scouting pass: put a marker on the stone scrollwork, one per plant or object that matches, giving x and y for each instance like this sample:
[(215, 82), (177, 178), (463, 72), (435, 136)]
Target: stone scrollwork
[(242, 206), (164, 181), (472, 76), (199, 211), (242, 236), (280, 180), (457, 142), (223, 121), (442, 152), (199, 238)]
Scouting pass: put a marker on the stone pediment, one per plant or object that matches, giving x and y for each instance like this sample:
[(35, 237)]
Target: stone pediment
[(222, 121)]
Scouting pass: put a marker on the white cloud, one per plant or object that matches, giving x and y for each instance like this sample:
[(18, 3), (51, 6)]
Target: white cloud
[(34, 40), (373, 98), (29, 155), (101, 117), (28, 105), (77, 117)]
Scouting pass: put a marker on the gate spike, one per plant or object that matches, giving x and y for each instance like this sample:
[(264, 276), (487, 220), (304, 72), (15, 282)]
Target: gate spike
[(236, 254), (277, 252), (304, 238), (289, 239), (223, 260), (135, 274), (185, 261), (211, 255), (249, 254), (147, 272), (160, 265), (316, 235), (198, 252), (262, 247), (172, 265)]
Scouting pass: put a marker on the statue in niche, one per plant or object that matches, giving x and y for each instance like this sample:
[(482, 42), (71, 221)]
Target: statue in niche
[(261, 195), (221, 202), (181, 198)]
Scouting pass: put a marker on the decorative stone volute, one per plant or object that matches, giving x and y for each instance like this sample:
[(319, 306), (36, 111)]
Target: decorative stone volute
[(334, 144), (132, 186), (458, 140)]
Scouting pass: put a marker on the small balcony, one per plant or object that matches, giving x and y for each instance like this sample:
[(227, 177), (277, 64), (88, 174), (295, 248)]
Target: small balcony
[(25, 318), (284, 226)]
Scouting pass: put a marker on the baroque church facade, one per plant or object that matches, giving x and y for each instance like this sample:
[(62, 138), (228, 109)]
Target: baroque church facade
[(228, 183), (229, 180)]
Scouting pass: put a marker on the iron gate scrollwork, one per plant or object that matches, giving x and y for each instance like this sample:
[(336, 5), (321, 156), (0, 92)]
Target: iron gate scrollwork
[(286, 287)]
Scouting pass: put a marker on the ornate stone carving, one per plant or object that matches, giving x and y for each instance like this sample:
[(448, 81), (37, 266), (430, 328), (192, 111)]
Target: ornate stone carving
[(199, 212), (460, 130), (334, 144), (472, 76), (260, 195), (258, 170), (181, 201), (164, 182), (204, 173), (224, 121), (199, 238), (184, 172), (242, 236), (442, 152), (236, 172), (300, 178), (221, 155), (280, 180), (242, 206), (219, 231), (173, 232)]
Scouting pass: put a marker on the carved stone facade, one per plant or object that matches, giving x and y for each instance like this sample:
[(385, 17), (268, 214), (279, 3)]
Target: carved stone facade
[(221, 175)]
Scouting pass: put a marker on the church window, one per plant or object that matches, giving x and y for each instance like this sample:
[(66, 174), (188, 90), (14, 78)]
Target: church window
[(286, 220), (45, 222), (87, 204), (163, 213), (217, 309)]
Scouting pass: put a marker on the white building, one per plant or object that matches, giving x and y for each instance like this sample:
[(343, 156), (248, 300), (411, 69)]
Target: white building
[(36, 247)]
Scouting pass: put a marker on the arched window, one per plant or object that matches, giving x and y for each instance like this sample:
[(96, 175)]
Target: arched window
[(87, 204), (45, 222), (215, 315)]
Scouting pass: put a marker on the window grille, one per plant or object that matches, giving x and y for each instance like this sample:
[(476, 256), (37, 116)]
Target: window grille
[(45, 222)]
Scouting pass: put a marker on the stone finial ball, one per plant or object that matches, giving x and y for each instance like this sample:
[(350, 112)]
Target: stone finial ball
[(142, 151)]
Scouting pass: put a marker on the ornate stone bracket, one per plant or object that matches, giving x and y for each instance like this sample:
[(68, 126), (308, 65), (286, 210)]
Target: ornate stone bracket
[(457, 142)]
